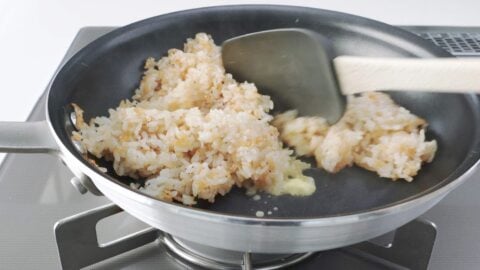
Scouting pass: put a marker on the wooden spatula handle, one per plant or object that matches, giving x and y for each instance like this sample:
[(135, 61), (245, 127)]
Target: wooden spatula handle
[(363, 74)]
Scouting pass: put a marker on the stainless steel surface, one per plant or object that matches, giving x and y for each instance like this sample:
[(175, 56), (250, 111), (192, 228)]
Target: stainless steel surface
[(459, 41), (214, 258), (247, 263), (460, 44), (83, 184), (284, 63), (78, 185), (194, 258), (37, 187)]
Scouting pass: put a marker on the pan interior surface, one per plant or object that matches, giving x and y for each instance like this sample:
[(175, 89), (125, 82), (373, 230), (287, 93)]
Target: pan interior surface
[(109, 70)]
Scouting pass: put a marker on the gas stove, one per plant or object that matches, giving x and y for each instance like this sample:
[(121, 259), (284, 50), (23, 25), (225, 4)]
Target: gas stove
[(45, 223)]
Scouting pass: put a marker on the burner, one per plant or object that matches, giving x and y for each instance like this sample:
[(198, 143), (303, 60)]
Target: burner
[(214, 258), (408, 247)]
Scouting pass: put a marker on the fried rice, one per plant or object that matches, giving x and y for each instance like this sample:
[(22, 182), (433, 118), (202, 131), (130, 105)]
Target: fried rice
[(192, 131), (374, 133)]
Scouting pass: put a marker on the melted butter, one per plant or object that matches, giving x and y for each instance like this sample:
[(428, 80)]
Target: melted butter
[(299, 186)]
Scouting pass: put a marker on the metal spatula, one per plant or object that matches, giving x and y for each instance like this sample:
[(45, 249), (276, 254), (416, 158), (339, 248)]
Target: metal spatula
[(299, 66)]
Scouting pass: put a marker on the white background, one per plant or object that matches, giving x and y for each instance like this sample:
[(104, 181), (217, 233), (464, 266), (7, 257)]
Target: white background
[(34, 35)]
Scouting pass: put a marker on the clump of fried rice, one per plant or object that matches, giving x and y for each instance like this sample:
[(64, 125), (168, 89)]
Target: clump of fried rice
[(374, 133), (192, 131)]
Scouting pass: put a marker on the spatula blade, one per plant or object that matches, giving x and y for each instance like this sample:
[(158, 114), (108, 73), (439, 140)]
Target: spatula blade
[(293, 66)]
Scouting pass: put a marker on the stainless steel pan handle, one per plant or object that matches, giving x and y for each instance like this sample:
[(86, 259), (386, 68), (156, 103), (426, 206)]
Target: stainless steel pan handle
[(35, 137), (26, 137)]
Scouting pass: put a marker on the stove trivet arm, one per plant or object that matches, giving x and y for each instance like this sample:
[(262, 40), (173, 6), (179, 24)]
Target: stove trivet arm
[(77, 240), (403, 248)]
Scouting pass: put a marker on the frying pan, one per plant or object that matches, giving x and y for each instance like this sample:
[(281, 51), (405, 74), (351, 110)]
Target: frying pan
[(348, 207)]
